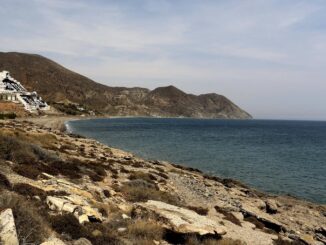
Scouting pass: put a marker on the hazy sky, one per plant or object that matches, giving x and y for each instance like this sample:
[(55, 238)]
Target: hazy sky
[(268, 56)]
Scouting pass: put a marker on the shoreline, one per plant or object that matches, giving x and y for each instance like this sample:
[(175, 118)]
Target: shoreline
[(238, 210), (61, 124)]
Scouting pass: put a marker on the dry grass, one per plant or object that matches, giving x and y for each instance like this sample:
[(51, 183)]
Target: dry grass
[(144, 231), (143, 176), (30, 225), (141, 191), (4, 182), (193, 240)]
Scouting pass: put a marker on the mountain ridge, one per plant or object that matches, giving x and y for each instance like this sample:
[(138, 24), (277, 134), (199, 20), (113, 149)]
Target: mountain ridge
[(56, 83)]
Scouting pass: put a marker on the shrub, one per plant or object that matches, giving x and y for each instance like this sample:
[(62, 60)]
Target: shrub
[(4, 182), (68, 224), (7, 116), (30, 226), (27, 171), (145, 230), (198, 210), (141, 175), (141, 191), (29, 190)]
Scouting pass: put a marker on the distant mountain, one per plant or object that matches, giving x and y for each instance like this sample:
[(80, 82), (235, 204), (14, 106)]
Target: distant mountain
[(58, 84)]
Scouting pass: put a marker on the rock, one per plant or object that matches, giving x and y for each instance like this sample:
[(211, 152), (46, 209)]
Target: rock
[(83, 219), (124, 216), (8, 232), (260, 204), (307, 239), (125, 207), (122, 229), (59, 204), (97, 233), (183, 220), (82, 241), (271, 206), (83, 213), (266, 219), (53, 241)]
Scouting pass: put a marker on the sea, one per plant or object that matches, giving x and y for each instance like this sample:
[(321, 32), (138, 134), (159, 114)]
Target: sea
[(278, 157)]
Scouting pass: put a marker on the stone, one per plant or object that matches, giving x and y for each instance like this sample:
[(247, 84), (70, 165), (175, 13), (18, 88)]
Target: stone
[(97, 233), (8, 232), (122, 229), (260, 204), (125, 207), (266, 219), (53, 241), (271, 206), (83, 219), (183, 220), (308, 239), (59, 204), (124, 216), (82, 241)]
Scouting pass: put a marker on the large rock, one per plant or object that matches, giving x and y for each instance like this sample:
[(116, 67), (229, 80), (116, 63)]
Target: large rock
[(8, 234), (53, 241), (183, 220), (266, 219), (83, 213), (272, 206)]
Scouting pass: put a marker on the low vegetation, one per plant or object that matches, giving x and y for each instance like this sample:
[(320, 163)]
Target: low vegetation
[(7, 116)]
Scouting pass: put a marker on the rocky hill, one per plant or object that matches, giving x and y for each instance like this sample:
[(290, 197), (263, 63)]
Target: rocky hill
[(63, 189), (57, 84)]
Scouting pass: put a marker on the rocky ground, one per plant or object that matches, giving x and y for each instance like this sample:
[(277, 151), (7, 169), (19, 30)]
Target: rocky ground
[(65, 189)]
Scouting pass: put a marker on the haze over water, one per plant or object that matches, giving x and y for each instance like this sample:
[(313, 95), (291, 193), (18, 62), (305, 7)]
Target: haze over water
[(280, 157)]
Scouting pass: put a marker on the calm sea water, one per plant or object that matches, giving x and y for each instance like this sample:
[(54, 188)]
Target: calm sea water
[(281, 157)]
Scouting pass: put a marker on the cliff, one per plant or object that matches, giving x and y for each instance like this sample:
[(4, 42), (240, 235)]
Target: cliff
[(57, 84)]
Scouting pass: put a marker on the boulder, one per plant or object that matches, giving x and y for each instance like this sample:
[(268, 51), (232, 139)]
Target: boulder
[(60, 204), (82, 241), (271, 206), (8, 232), (83, 213), (266, 219), (53, 241), (183, 220)]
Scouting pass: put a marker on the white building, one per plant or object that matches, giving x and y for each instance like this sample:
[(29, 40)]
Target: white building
[(14, 91)]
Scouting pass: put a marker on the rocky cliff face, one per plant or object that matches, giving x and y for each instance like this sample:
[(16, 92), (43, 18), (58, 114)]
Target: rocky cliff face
[(58, 84)]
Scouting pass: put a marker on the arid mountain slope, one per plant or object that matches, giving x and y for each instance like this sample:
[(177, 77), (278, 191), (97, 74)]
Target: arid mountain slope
[(57, 84)]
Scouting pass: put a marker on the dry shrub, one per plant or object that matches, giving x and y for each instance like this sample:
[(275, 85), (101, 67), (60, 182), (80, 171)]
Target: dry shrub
[(137, 164), (29, 190), (198, 210), (27, 171), (193, 240), (143, 176), (4, 182), (107, 193), (30, 226), (67, 224), (228, 215), (17, 151), (142, 191), (145, 230)]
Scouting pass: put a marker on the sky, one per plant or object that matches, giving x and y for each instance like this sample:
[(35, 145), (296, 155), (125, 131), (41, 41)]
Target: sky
[(267, 56)]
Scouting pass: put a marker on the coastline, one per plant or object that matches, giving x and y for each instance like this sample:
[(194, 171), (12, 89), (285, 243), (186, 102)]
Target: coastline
[(61, 124), (221, 199)]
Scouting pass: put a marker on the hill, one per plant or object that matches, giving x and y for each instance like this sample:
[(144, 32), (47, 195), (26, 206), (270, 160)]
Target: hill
[(57, 84)]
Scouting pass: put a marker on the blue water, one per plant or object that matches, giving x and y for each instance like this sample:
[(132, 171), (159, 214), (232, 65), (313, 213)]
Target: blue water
[(280, 157)]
